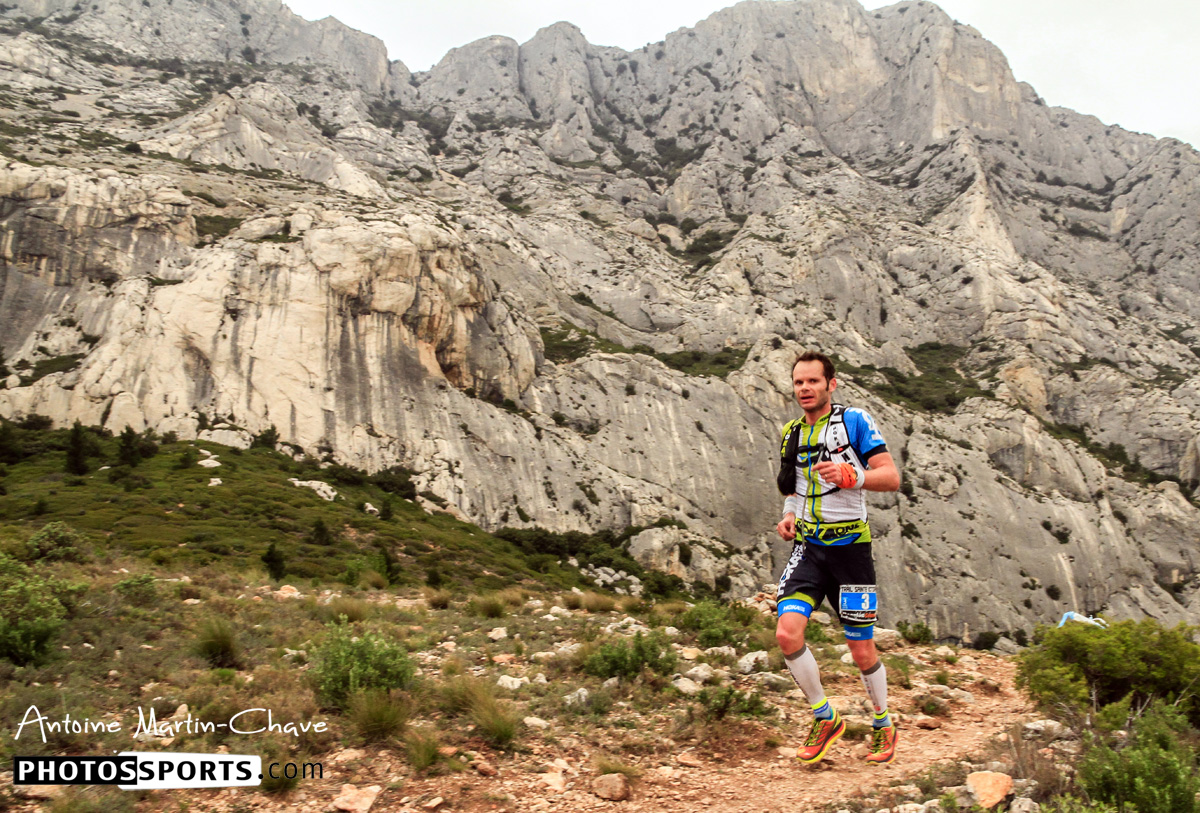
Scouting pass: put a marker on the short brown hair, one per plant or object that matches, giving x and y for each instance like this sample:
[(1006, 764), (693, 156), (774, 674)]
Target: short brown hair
[(813, 355)]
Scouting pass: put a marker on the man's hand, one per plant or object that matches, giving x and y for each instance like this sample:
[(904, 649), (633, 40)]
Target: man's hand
[(787, 527), (842, 475)]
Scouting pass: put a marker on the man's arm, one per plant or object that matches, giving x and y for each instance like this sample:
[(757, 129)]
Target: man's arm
[(881, 473)]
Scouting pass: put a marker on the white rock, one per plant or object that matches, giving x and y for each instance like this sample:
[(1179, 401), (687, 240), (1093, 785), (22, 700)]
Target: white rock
[(324, 490), (512, 683), (577, 697), (210, 463), (536, 722), (753, 661), (498, 634), (686, 686), (214, 481)]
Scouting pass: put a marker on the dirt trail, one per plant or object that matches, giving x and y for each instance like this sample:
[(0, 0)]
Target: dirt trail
[(738, 769), (769, 783)]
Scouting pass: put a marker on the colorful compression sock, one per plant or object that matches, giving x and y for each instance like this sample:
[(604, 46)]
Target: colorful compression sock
[(875, 682), (807, 675)]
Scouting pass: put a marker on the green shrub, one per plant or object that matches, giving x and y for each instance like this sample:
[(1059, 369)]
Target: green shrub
[(1069, 804), (138, 590), (719, 703), (56, 542), (918, 633), (32, 611), (985, 640), (218, 644), (1142, 659), (628, 658), (345, 664), (1155, 772), (711, 620)]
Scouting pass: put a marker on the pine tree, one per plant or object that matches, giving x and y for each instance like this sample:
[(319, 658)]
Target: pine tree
[(276, 565), (77, 450), (129, 451)]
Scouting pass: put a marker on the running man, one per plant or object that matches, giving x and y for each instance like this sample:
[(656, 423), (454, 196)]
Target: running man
[(829, 457)]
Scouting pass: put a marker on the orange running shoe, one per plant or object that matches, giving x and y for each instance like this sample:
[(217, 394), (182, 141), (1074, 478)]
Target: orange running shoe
[(823, 734), (883, 745)]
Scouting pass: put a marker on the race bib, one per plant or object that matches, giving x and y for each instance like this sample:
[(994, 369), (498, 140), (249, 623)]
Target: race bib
[(858, 604)]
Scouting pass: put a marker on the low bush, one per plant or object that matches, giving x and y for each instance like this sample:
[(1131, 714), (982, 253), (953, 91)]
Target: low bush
[(597, 602), (1155, 771), (918, 633), (1077, 665), (719, 703), (627, 659), (33, 609), (56, 542), (345, 663), (137, 590)]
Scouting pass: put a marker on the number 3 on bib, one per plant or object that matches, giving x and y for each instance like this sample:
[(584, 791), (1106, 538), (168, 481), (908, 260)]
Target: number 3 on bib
[(858, 603)]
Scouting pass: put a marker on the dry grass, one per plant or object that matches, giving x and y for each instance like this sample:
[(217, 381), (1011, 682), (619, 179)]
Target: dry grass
[(597, 602), (354, 609), (422, 748), (513, 597), (495, 720), (378, 714), (632, 605), (606, 764), (488, 606), (572, 601), (437, 599)]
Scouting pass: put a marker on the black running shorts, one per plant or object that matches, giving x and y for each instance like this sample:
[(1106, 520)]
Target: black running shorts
[(842, 574)]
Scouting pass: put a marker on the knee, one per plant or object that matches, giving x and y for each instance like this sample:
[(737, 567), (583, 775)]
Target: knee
[(864, 656), (789, 640)]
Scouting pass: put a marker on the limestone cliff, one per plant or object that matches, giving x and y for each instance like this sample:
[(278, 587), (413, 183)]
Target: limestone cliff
[(509, 272)]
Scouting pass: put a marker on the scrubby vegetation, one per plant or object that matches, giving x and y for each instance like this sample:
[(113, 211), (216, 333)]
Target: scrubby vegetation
[(939, 388), (1131, 690), (569, 343)]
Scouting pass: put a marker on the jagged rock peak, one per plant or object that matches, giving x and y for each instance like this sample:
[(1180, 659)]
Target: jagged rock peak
[(247, 30)]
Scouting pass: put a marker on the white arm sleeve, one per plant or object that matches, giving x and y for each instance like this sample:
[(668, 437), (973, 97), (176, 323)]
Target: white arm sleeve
[(792, 505)]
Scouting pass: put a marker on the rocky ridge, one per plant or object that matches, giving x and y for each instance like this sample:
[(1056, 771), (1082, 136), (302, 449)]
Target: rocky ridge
[(386, 267)]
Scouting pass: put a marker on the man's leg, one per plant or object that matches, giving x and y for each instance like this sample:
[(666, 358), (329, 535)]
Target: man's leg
[(874, 678), (789, 632)]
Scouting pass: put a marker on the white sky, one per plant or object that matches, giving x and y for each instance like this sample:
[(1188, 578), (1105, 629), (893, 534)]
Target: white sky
[(1135, 65)]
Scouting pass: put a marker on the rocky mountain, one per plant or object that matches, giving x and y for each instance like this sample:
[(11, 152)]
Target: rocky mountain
[(564, 283)]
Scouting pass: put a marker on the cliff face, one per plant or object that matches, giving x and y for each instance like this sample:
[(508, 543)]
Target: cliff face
[(479, 271)]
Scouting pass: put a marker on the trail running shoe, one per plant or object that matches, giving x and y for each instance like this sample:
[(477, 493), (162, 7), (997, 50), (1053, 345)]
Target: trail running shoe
[(883, 745), (823, 734)]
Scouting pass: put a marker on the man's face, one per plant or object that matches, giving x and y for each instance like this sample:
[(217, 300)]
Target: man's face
[(810, 386)]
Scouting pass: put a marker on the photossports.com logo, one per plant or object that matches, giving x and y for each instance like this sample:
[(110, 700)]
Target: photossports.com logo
[(140, 770)]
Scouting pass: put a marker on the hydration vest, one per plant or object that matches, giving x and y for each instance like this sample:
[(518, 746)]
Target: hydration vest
[(834, 443)]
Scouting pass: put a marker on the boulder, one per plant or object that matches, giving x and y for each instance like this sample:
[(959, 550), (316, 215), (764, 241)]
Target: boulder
[(611, 786), (989, 788)]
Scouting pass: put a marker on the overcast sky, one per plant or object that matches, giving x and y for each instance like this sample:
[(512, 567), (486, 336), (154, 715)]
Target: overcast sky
[(1136, 65)]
